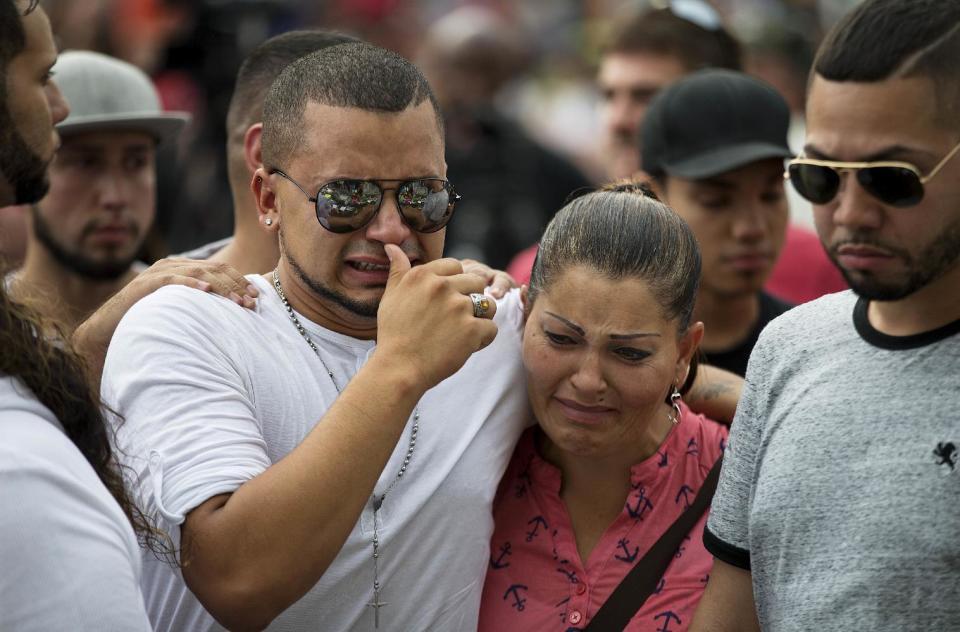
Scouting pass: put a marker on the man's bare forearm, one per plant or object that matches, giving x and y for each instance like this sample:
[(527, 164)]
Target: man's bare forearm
[(715, 393), (727, 604)]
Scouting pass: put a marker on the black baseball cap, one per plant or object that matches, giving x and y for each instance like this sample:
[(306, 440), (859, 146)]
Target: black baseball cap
[(711, 122)]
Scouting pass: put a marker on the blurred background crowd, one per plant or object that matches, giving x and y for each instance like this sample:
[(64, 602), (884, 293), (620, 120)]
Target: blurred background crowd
[(517, 81)]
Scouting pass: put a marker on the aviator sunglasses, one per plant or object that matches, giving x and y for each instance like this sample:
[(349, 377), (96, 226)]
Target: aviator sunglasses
[(343, 206), (894, 183)]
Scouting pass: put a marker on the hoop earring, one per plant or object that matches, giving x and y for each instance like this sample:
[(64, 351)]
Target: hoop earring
[(675, 398)]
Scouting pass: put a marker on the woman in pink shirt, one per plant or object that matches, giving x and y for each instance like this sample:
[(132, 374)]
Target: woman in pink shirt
[(616, 456)]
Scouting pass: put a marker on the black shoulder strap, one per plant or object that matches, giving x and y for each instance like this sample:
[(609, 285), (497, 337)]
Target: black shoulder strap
[(629, 596)]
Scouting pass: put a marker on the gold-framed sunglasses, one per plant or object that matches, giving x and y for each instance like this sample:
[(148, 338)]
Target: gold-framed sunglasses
[(894, 183)]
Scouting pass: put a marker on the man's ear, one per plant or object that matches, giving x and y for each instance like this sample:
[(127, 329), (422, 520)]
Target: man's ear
[(267, 211), (689, 343), (252, 153)]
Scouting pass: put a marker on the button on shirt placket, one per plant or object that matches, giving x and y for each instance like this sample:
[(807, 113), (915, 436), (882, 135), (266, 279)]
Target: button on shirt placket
[(579, 601)]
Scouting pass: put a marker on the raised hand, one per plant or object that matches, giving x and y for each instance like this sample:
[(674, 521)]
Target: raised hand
[(426, 318)]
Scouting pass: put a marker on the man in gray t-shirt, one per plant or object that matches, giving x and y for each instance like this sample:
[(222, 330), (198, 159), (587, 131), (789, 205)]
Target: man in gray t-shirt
[(839, 503)]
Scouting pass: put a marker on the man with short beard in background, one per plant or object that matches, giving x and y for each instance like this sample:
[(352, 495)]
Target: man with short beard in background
[(84, 235)]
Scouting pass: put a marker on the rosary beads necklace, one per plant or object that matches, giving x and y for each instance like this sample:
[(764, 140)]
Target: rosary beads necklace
[(376, 604)]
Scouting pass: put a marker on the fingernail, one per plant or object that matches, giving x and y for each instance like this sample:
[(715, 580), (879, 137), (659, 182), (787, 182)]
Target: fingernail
[(249, 302), (252, 290), (203, 285), (236, 298)]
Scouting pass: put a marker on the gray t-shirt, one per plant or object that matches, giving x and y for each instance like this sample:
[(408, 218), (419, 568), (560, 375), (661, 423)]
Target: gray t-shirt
[(840, 488)]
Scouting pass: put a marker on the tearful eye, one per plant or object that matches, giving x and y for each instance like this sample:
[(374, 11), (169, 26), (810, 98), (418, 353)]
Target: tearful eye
[(558, 339), (631, 355)]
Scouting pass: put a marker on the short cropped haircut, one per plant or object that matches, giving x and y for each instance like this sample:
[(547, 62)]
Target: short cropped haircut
[(355, 75), (661, 32), (886, 39), (265, 63)]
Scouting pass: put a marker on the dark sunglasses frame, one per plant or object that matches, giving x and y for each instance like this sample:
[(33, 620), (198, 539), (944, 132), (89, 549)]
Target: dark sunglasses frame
[(870, 175), (454, 197)]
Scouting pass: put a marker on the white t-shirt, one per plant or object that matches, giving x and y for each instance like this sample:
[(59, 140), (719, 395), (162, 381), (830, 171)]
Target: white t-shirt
[(68, 557), (213, 394)]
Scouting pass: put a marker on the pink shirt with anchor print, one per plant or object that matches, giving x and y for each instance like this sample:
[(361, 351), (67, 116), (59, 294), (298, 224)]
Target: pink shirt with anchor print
[(536, 579)]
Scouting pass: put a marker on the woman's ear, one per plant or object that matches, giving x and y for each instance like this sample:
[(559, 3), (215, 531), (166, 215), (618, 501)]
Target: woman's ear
[(689, 343)]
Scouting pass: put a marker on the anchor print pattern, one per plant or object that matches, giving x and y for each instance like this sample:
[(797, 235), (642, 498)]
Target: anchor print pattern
[(537, 523), (627, 556), (498, 562), (640, 504), (516, 593), (537, 577), (668, 617)]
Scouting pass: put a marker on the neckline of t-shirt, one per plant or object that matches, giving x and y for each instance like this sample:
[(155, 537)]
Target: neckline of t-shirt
[(315, 330), (861, 322)]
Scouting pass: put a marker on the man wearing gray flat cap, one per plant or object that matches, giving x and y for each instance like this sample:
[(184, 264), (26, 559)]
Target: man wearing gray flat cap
[(85, 234)]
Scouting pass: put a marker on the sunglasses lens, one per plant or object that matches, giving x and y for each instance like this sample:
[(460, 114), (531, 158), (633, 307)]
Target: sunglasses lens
[(814, 183), (895, 186), (426, 205), (347, 205)]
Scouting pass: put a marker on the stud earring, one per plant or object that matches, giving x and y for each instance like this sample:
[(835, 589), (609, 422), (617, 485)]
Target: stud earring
[(268, 222)]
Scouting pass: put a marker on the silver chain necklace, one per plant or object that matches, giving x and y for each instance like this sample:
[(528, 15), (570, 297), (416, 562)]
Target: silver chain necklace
[(377, 501)]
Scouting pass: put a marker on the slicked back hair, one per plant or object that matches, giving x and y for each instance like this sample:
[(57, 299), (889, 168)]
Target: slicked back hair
[(887, 39), (623, 231), (355, 75), (661, 32)]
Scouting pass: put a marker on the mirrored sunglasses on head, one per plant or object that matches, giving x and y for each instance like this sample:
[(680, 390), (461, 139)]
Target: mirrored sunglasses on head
[(342, 206), (894, 183)]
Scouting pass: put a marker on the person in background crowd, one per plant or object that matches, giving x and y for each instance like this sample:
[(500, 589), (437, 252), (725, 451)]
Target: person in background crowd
[(84, 235), (851, 400), (608, 349), (80, 271), (714, 144), (251, 249), (67, 526), (511, 184), (645, 53), (648, 52)]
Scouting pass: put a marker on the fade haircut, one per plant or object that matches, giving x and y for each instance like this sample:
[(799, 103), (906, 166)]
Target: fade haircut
[(888, 39), (355, 75), (254, 79), (661, 32), (262, 66)]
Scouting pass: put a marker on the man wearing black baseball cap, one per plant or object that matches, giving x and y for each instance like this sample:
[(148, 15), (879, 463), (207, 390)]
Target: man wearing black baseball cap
[(714, 144)]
